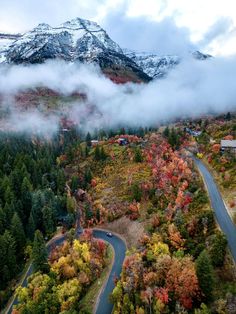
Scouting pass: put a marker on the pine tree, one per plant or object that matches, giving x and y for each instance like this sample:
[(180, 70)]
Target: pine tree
[(98, 215), (228, 116), (173, 139), (103, 155), (97, 153), (31, 227), (87, 176), (39, 253), (8, 253), (218, 250), (88, 212), (18, 233), (166, 132), (21, 213), (60, 181), (138, 155), (88, 139), (136, 193), (48, 220), (122, 131), (2, 221), (86, 151), (205, 274), (37, 205), (74, 183), (9, 195), (26, 197), (9, 212), (141, 132)]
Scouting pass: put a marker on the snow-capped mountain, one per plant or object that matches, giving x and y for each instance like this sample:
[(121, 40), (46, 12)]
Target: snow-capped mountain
[(153, 65), (76, 40), (5, 41), (157, 66), (85, 41)]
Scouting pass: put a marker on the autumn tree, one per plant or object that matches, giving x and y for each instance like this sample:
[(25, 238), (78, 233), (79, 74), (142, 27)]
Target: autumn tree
[(182, 281)]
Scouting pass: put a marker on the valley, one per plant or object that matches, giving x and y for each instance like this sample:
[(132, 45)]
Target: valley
[(117, 169)]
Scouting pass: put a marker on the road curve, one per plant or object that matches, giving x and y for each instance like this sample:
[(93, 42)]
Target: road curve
[(104, 305), (225, 222)]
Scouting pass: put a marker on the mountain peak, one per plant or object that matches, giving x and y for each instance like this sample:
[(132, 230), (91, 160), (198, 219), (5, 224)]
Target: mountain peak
[(42, 27), (82, 23), (77, 40), (200, 56), (85, 41)]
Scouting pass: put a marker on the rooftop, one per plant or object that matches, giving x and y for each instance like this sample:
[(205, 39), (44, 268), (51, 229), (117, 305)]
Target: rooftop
[(228, 143)]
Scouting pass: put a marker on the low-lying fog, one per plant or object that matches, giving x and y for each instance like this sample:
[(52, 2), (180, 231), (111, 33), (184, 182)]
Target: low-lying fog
[(193, 88)]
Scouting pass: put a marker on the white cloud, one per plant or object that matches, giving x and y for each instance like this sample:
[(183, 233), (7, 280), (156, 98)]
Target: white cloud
[(194, 88), (198, 16), (142, 34)]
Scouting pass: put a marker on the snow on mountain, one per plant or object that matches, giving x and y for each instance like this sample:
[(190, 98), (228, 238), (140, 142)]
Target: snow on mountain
[(153, 65), (157, 66), (5, 41), (85, 41), (75, 40)]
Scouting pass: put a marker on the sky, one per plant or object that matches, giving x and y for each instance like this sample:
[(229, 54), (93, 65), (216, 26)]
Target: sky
[(160, 26)]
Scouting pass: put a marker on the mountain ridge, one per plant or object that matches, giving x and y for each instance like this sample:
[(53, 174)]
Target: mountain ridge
[(80, 40)]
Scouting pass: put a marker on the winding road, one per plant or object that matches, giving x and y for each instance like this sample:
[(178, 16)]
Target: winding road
[(225, 222), (103, 304)]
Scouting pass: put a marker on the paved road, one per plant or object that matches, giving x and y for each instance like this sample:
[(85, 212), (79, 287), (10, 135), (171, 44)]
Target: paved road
[(225, 222), (104, 306)]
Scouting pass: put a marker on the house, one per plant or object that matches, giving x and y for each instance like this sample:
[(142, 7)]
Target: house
[(122, 141), (94, 142), (194, 133), (228, 146)]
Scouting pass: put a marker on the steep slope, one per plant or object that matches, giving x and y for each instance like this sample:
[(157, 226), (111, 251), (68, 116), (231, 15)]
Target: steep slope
[(153, 65), (5, 41), (158, 66), (75, 40)]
